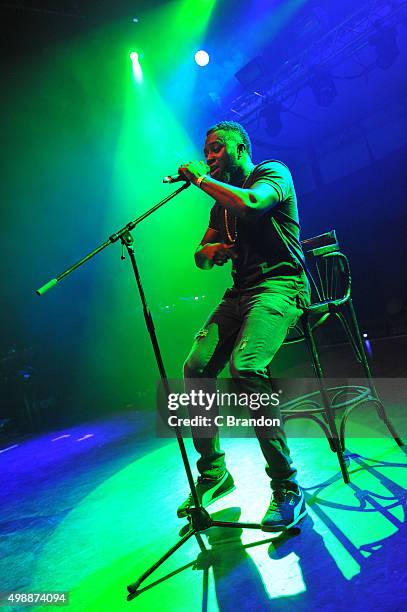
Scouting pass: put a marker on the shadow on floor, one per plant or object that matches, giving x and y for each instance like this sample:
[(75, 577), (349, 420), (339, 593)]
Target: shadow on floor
[(380, 584)]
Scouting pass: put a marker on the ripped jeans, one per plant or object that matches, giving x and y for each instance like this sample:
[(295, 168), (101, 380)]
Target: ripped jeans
[(247, 329)]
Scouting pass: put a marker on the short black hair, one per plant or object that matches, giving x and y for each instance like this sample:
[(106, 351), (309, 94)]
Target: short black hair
[(233, 126)]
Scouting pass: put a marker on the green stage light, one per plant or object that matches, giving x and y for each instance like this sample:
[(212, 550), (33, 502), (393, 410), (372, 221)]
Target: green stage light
[(137, 71)]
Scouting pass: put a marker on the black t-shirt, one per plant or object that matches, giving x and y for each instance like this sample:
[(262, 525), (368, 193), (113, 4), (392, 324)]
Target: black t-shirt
[(269, 246)]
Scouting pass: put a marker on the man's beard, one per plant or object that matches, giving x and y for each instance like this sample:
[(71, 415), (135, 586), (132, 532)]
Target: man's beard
[(224, 176), (231, 175)]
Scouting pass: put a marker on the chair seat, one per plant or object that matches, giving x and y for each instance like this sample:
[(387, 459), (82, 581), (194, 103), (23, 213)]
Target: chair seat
[(326, 306), (320, 307)]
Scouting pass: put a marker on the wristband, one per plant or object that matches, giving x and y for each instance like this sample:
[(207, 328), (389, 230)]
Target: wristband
[(200, 180)]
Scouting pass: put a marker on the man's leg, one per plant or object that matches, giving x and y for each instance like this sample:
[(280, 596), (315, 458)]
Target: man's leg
[(268, 314), (209, 355)]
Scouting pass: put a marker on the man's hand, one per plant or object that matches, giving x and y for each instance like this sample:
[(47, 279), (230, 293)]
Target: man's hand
[(193, 170), (216, 253), (222, 252)]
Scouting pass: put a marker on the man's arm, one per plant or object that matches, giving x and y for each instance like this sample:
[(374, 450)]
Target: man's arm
[(211, 251), (245, 203)]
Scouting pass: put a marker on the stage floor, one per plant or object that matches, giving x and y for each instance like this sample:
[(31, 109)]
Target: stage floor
[(89, 508)]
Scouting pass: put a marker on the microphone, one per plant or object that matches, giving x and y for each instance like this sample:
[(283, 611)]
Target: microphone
[(174, 178)]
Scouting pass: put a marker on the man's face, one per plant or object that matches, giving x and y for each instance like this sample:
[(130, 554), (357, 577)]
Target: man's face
[(221, 152)]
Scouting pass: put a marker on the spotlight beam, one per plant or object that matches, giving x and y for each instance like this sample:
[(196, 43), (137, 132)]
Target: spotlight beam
[(137, 70)]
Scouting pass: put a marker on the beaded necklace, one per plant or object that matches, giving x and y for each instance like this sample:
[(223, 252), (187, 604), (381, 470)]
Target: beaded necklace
[(232, 238)]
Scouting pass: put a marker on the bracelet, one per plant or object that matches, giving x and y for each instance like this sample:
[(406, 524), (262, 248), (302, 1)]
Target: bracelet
[(200, 180)]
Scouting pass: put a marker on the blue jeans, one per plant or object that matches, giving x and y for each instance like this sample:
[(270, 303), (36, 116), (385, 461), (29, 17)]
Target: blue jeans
[(247, 328)]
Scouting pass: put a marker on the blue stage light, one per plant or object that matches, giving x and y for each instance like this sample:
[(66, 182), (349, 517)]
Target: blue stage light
[(202, 57)]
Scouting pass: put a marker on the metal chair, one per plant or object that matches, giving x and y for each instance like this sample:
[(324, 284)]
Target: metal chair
[(329, 274)]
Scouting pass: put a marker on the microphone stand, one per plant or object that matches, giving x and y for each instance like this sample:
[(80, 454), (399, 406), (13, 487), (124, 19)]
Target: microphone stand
[(199, 519)]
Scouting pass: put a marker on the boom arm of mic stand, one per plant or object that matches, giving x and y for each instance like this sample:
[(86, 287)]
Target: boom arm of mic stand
[(113, 238)]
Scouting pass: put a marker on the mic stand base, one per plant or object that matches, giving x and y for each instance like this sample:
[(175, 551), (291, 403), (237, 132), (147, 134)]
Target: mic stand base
[(199, 520)]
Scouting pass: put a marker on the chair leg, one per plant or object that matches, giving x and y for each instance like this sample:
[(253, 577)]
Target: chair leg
[(351, 337), (334, 441), (358, 341)]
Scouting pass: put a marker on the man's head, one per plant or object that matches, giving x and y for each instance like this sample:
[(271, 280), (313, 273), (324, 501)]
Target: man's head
[(228, 151)]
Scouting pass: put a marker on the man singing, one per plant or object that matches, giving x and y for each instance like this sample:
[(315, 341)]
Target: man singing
[(253, 222)]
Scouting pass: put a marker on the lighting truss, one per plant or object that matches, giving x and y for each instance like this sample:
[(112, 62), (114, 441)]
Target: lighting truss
[(331, 49)]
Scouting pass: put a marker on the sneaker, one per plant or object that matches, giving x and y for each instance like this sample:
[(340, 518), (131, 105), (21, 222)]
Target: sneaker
[(286, 509), (208, 490)]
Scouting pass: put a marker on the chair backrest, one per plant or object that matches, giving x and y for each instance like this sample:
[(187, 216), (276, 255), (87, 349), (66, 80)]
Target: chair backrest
[(328, 269)]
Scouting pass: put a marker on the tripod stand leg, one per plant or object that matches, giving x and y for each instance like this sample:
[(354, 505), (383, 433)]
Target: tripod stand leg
[(132, 588)]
